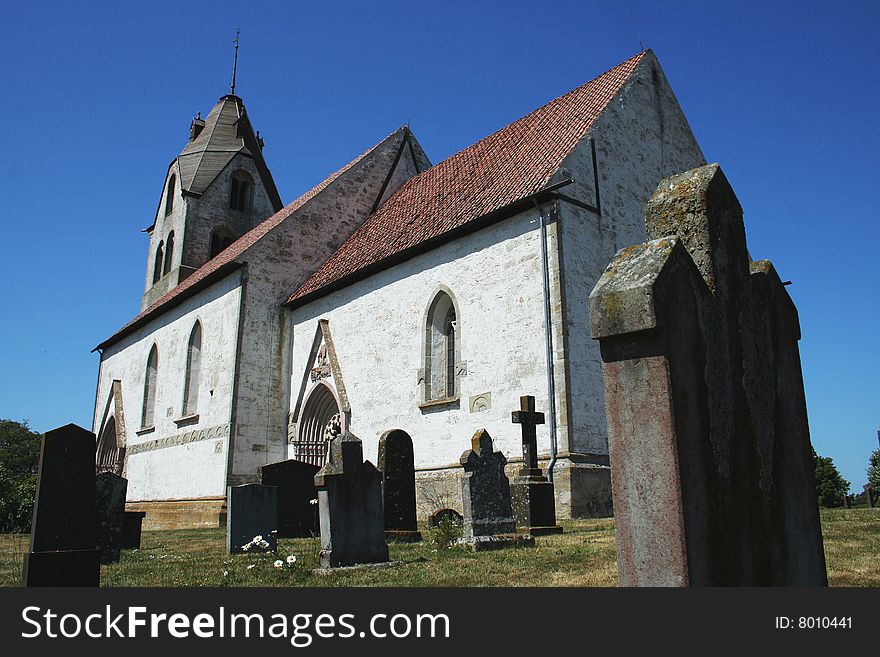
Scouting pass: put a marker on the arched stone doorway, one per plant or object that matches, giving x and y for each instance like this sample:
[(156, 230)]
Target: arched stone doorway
[(109, 456), (320, 420)]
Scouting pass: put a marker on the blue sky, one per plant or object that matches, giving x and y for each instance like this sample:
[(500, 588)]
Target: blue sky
[(99, 98)]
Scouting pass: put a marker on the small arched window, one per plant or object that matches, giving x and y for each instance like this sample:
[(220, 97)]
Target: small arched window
[(149, 406), (240, 189), (169, 195), (193, 371), (221, 238), (157, 263), (169, 253), (441, 348)]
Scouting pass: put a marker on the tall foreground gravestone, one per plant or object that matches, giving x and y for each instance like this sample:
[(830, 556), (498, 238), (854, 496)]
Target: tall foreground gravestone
[(712, 474), (397, 465), (64, 541), (350, 506), (252, 511)]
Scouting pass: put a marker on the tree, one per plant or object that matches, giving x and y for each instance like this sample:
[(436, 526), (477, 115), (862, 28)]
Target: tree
[(19, 458), (830, 486), (874, 471)]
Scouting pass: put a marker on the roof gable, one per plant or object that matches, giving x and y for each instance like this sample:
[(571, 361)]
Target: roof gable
[(509, 165)]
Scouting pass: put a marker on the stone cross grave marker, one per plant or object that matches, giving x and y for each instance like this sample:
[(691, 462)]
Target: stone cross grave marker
[(252, 511), (110, 492), (397, 465), (534, 504), (64, 540), (711, 468), (295, 481), (350, 506)]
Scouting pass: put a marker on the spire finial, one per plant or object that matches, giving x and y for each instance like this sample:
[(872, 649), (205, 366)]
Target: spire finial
[(234, 63)]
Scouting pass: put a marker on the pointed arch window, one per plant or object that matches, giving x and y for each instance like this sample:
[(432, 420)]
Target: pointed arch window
[(169, 195), (169, 253), (441, 349), (157, 263), (240, 189), (193, 371), (149, 406)]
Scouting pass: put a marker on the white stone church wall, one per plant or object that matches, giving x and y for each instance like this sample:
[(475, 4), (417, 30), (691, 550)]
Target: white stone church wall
[(378, 329), (177, 460), (641, 138)]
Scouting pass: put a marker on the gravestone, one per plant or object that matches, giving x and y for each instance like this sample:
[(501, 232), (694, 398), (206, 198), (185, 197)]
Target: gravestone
[(532, 498), (445, 516), (64, 540), (869, 496), (350, 506), (132, 522), (712, 473), (110, 492), (397, 465), (252, 510), (485, 490), (295, 481)]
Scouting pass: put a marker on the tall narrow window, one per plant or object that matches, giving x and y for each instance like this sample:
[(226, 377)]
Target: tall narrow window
[(240, 187), (149, 406), (193, 371), (169, 195), (169, 253), (157, 263), (441, 349)]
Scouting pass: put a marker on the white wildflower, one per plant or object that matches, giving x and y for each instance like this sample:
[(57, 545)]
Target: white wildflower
[(291, 560), (253, 565), (278, 563), (313, 501), (225, 573)]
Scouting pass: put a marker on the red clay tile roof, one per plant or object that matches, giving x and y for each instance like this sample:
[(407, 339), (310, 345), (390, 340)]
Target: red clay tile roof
[(507, 166), (237, 248)]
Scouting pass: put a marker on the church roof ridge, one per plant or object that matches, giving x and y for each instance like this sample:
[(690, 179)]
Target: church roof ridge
[(225, 261), (480, 180)]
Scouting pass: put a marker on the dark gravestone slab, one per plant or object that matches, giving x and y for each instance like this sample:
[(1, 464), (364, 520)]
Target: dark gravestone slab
[(252, 510), (295, 481), (64, 541), (485, 490), (445, 516), (869, 496), (110, 492), (350, 506), (534, 504), (132, 522), (712, 472), (397, 465)]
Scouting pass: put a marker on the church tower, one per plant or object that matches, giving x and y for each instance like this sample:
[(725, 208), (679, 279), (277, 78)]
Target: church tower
[(215, 191)]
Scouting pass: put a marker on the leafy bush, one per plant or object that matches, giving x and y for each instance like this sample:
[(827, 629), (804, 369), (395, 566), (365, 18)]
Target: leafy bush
[(830, 486), (19, 458), (445, 533)]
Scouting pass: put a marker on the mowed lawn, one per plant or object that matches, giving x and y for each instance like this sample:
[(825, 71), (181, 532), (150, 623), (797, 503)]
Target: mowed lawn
[(582, 556)]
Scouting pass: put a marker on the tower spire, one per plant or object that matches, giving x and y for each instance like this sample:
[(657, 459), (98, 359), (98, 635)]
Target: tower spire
[(234, 63)]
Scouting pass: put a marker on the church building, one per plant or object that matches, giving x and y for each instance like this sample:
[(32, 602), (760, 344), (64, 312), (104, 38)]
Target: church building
[(395, 294)]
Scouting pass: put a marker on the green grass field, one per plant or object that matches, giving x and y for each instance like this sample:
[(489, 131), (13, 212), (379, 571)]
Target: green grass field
[(582, 556)]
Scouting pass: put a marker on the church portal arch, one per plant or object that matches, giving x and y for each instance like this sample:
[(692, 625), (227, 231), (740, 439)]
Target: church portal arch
[(321, 418), (109, 457)]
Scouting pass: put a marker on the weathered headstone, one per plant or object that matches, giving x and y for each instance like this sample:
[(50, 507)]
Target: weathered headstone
[(534, 505), (110, 492), (132, 522), (64, 540), (441, 516), (846, 504), (252, 511), (295, 481), (485, 489), (712, 474), (397, 465), (350, 506)]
